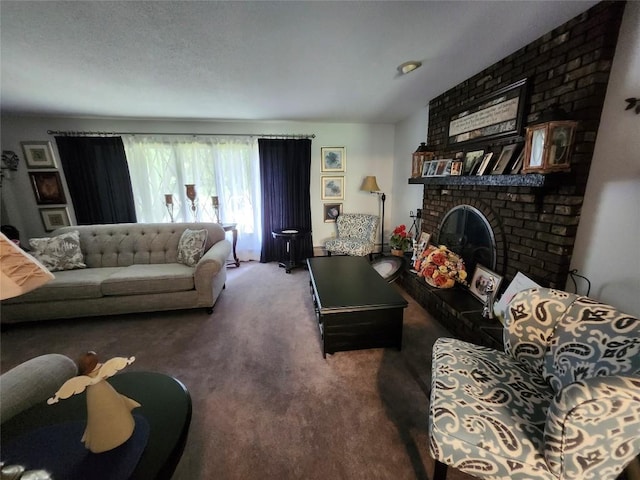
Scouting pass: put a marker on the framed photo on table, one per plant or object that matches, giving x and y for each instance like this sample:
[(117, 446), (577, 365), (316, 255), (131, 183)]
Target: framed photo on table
[(53, 218), (334, 159), (331, 212), (38, 154), (47, 188), (482, 277), (332, 188)]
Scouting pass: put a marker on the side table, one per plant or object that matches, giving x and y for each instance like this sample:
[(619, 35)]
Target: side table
[(233, 228), (165, 404), (291, 237)]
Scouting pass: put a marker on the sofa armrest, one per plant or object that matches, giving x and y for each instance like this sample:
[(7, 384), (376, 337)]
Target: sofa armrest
[(593, 428), (210, 264), (33, 382)]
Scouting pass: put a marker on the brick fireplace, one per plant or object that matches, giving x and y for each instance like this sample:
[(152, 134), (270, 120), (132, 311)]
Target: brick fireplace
[(534, 223)]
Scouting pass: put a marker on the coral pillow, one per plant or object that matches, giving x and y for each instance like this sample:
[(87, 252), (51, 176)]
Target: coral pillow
[(61, 252), (191, 246)]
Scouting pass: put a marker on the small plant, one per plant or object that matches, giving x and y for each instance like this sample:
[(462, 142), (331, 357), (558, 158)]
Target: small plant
[(400, 238)]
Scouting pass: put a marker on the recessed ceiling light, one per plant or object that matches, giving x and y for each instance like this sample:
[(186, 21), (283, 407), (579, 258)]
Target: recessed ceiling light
[(408, 67)]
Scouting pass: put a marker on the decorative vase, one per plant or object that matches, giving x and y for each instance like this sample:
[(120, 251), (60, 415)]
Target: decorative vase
[(397, 252)]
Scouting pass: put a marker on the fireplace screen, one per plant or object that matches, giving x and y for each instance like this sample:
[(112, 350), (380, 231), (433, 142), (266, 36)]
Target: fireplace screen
[(466, 231)]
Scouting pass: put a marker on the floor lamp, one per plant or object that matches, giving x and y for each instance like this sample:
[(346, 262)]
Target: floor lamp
[(369, 184)]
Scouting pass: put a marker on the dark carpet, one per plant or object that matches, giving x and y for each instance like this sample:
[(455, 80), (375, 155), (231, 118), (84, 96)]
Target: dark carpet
[(266, 405)]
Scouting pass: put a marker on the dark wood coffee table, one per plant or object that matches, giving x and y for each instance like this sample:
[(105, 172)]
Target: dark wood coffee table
[(356, 308), (166, 406)]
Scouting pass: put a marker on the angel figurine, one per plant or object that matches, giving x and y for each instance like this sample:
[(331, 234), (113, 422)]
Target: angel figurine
[(109, 419)]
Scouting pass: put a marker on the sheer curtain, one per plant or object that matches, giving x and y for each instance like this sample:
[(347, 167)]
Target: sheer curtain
[(226, 167)]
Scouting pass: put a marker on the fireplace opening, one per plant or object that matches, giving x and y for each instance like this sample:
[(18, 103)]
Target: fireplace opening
[(466, 231)]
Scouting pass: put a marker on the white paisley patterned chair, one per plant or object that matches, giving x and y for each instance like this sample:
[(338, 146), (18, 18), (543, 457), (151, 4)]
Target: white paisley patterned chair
[(561, 402), (356, 235)]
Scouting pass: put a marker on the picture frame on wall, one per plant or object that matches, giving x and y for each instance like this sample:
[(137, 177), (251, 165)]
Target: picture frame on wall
[(38, 154), (481, 278), (334, 159), (53, 218), (332, 188), (47, 187), (497, 115), (331, 212)]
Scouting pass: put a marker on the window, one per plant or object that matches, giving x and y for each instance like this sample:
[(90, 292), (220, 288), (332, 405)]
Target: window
[(226, 167)]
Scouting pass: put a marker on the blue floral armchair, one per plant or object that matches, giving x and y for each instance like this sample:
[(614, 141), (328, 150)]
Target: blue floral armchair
[(561, 402), (356, 235)]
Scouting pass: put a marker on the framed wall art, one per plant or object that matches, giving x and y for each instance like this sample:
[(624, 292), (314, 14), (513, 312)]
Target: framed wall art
[(53, 218), (38, 154), (497, 115), (482, 277), (47, 188), (332, 188), (331, 212), (334, 159)]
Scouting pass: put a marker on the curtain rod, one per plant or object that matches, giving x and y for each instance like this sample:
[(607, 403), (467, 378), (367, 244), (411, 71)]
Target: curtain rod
[(111, 134)]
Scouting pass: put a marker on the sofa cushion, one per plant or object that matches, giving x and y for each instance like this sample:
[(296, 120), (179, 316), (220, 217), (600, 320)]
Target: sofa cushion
[(154, 278), (61, 252), (191, 246), (69, 285)]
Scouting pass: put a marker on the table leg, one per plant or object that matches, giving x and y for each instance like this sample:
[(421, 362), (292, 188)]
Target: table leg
[(234, 232)]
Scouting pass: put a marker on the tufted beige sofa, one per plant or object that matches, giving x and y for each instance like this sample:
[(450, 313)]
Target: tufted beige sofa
[(131, 267)]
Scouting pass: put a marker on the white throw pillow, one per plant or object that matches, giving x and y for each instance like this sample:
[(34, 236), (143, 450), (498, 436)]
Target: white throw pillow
[(191, 246), (61, 252)]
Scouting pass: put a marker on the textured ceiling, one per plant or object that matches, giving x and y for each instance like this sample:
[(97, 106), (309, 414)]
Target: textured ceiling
[(292, 60)]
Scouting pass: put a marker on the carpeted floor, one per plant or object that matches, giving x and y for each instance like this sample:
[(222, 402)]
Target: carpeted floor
[(266, 405)]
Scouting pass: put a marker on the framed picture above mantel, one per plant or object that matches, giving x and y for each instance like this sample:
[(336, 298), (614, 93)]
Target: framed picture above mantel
[(497, 115)]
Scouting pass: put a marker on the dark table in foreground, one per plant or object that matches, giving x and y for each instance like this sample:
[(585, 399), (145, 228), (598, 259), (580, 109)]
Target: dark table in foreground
[(355, 306), (166, 405)]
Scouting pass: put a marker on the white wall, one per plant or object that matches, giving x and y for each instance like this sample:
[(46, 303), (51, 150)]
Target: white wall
[(369, 151), (408, 135), (607, 247)]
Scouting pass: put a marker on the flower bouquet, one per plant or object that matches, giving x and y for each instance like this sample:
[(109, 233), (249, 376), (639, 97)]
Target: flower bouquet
[(400, 239), (440, 267)]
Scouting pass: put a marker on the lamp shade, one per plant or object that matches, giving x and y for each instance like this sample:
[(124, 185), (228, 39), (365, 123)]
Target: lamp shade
[(369, 184), (20, 272)]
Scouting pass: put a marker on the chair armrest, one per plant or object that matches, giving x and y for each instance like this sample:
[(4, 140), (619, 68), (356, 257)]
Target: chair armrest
[(593, 428), (210, 264), (33, 382)]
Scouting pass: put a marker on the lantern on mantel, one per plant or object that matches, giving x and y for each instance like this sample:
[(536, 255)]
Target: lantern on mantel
[(548, 147), (421, 155)]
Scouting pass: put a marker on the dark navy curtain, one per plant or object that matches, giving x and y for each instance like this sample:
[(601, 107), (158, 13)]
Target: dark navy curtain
[(97, 175), (285, 176)]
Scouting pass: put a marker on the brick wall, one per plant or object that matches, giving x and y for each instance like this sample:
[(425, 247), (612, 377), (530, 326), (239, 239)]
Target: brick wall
[(568, 68)]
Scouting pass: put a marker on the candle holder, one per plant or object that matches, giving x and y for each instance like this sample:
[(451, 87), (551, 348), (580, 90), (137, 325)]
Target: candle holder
[(191, 195), (168, 202), (216, 208)]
